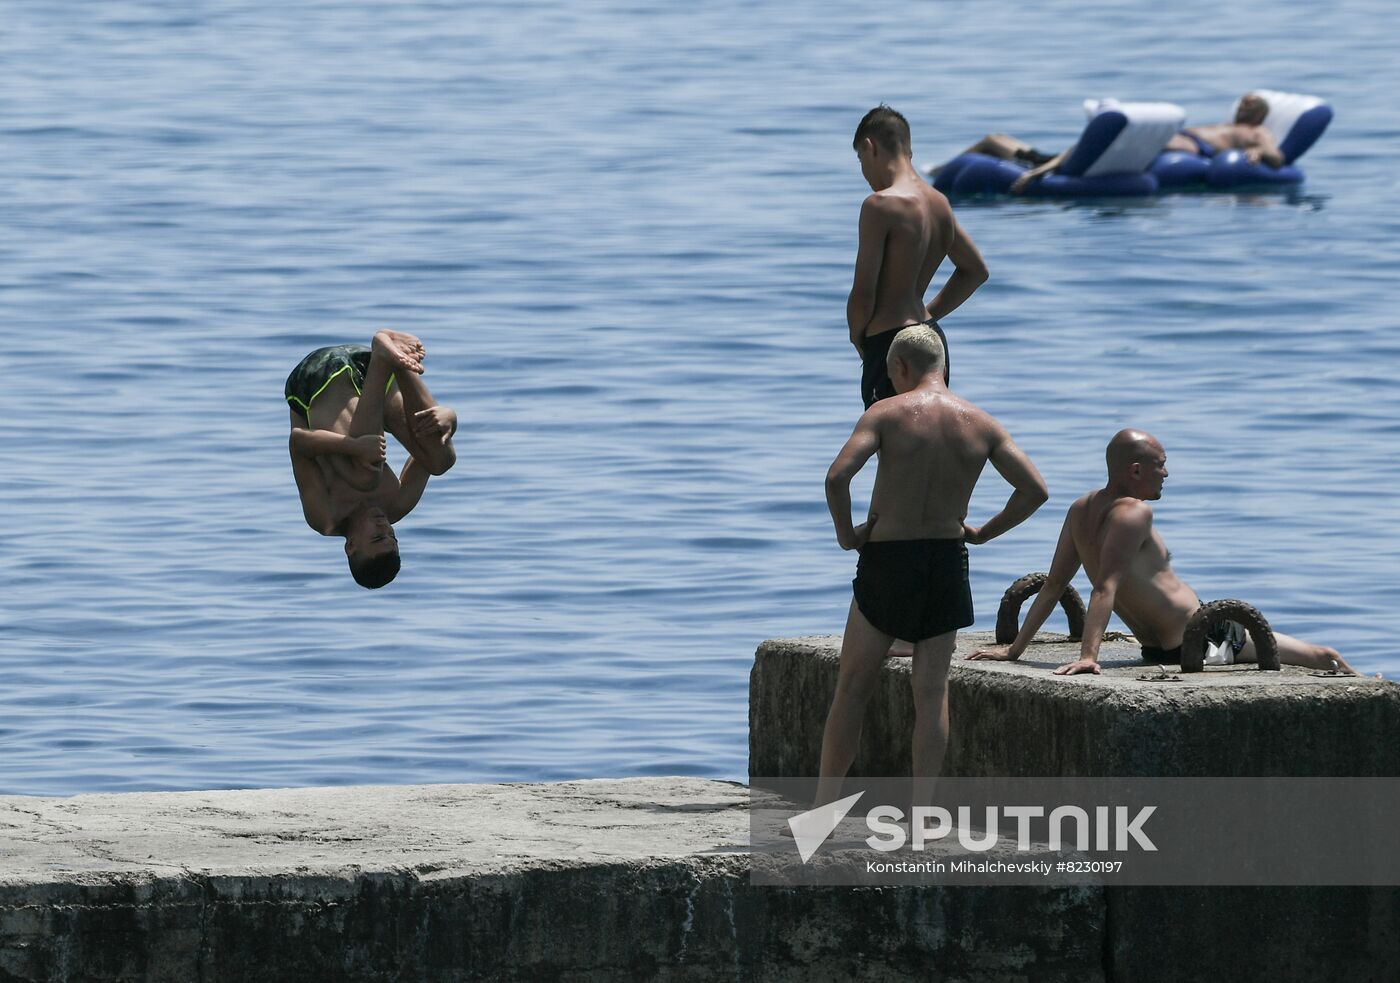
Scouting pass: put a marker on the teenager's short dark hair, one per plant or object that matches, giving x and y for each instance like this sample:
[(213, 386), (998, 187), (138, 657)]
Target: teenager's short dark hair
[(376, 571), (888, 128)]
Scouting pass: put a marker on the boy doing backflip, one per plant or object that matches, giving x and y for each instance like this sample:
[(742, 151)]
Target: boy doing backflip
[(342, 399)]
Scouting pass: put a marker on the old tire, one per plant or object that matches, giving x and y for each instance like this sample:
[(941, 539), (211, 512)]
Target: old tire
[(1207, 616), (1009, 614)]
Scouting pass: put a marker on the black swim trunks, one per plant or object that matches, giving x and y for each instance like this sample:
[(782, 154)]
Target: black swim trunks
[(315, 372), (914, 588), (1032, 156), (1228, 636), (875, 381), (1157, 656)]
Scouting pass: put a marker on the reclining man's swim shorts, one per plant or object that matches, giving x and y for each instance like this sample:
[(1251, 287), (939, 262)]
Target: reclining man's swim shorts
[(875, 381), (914, 588), (1225, 642)]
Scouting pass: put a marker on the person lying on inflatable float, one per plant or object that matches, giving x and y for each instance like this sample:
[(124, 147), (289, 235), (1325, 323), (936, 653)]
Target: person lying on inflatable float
[(1247, 133), (1140, 148), (1111, 156), (1271, 131)]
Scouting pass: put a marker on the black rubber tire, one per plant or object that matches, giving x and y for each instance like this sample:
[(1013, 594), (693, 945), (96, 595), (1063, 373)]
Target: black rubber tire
[(1193, 644), (1009, 614)]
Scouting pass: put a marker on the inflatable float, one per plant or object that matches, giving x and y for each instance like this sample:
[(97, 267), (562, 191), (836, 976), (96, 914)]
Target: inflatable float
[(1121, 153), (1111, 157), (1295, 121)]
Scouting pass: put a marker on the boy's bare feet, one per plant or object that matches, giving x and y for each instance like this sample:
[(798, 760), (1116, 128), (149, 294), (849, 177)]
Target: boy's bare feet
[(403, 350), (411, 343)]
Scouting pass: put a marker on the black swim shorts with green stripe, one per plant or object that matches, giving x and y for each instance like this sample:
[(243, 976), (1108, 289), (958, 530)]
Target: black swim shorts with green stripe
[(316, 371)]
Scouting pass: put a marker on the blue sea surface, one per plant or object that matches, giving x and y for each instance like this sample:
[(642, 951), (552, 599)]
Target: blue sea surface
[(625, 233)]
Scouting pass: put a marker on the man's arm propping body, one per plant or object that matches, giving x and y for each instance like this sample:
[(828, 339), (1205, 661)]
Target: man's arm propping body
[(1063, 567), (1126, 527)]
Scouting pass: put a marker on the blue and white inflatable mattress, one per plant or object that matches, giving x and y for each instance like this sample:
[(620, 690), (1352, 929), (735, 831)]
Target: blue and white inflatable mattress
[(1295, 122), (1121, 152)]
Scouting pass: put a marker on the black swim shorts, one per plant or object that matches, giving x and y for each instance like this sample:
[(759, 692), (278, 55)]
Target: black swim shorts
[(914, 588), (1229, 635), (1032, 156), (1157, 656), (875, 381), (315, 372)]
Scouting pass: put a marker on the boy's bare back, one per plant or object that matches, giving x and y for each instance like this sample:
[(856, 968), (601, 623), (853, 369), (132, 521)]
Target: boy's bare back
[(914, 225)]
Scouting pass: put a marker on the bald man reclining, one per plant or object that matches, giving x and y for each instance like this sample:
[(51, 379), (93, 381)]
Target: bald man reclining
[(1110, 532)]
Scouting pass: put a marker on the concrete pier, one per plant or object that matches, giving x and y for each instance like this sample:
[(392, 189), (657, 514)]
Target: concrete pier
[(635, 879), (1017, 719), (648, 878)]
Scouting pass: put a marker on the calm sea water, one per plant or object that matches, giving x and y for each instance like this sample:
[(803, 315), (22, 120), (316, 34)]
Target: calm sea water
[(625, 233)]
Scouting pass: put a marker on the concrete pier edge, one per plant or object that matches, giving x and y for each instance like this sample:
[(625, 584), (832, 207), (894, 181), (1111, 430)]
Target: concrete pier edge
[(648, 878), (1017, 719), (643, 878)]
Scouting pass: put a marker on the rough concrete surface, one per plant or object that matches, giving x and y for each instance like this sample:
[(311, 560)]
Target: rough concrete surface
[(648, 879), (634, 879), (1018, 719)]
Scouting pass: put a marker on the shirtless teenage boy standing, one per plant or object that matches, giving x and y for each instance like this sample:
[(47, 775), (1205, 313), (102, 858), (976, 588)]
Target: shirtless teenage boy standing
[(1110, 532), (906, 229), (342, 399), (911, 579)]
